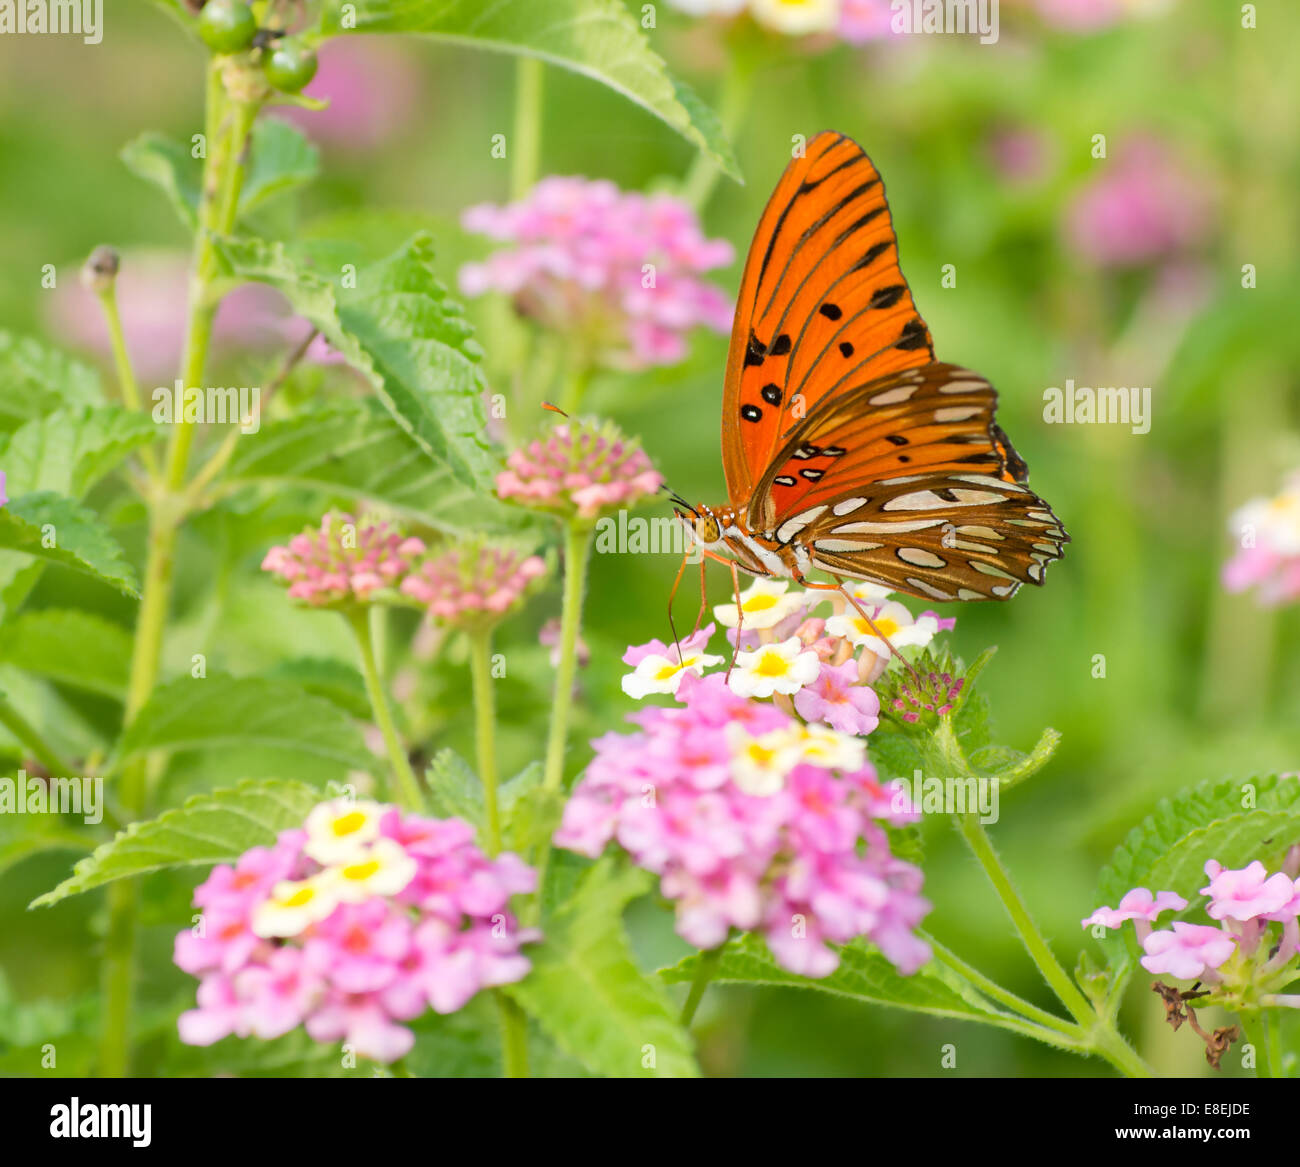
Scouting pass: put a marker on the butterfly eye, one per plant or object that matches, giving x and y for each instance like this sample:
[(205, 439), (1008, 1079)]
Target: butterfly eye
[(706, 529)]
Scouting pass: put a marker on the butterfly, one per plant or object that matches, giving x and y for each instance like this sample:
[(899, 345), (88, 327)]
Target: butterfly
[(846, 446)]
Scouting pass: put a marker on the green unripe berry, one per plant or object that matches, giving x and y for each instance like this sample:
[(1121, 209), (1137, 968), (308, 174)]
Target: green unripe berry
[(227, 26), (290, 65)]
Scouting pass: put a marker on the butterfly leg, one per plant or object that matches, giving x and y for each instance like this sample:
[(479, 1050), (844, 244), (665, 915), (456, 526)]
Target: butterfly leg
[(838, 586), (672, 595)]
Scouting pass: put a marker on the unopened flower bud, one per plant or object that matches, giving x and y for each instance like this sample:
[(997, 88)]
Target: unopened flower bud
[(100, 270)]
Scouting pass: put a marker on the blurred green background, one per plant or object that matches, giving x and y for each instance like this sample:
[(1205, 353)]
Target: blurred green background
[(987, 153)]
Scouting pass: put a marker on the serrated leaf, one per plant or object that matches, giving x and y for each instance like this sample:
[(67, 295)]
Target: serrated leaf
[(68, 451), (69, 646), (210, 828), (533, 818), (401, 330), (863, 975), (38, 380), (81, 541), (454, 790), (597, 38), (1168, 850), (221, 711), (586, 992), (357, 449), (280, 159), (328, 678)]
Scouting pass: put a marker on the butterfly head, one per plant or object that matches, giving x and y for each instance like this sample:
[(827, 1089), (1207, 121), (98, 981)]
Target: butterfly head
[(702, 521)]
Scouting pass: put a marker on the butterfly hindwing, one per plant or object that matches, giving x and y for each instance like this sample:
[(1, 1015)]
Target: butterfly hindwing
[(823, 305), (908, 481)]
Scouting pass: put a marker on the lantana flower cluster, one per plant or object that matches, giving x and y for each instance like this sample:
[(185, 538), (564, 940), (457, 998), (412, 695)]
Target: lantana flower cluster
[(821, 666), (344, 560), (578, 469), (618, 272), (754, 821), (363, 918), (1245, 955), (347, 561), (1267, 531)]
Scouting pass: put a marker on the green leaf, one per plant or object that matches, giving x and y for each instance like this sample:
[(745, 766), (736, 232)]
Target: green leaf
[(24, 835), (586, 992), (530, 813), (398, 328), (210, 828), (169, 165), (329, 678), (281, 159), (1231, 821), (72, 647), (221, 711), (79, 538), (454, 789), (68, 451), (863, 975), (598, 38), (38, 380), (357, 449)]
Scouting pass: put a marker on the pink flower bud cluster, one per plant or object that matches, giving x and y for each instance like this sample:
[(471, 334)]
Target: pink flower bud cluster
[(617, 271), (345, 560), (359, 921), (464, 583), (804, 860), (578, 468)]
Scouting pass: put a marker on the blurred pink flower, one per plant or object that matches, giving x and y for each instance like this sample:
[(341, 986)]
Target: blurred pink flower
[(152, 291), (403, 915), (616, 271), (578, 468), (469, 583), (1019, 154), (1267, 531), (1082, 15), (373, 87), (1143, 205)]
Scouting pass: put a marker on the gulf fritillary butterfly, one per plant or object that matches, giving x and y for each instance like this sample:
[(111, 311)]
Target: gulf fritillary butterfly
[(846, 446)]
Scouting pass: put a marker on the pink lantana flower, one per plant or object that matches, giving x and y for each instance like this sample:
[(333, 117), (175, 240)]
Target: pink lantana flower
[(345, 561), (1138, 904), (1187, 951), (753, 821), (1245, 894), (837, 699), (659, 667), (403, 914), (618, 273), (1267, 531), (472, 583), (579, 469)]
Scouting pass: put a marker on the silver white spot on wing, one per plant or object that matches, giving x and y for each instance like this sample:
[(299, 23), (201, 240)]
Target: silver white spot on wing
[(893, 396), (919, 557), (928, 589), (792, 526), (848, 505)]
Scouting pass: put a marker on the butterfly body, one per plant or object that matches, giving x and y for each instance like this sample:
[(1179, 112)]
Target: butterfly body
[(847, 447)]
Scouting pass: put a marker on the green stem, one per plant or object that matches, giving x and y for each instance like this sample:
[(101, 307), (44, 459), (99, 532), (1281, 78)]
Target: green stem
[(981, 846), (526, 148), (575, 387), (514, 1037), (577, 551), (126, 380), (705, 968), (996, 992), (406, 789), (480, 668), (27, 733)]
